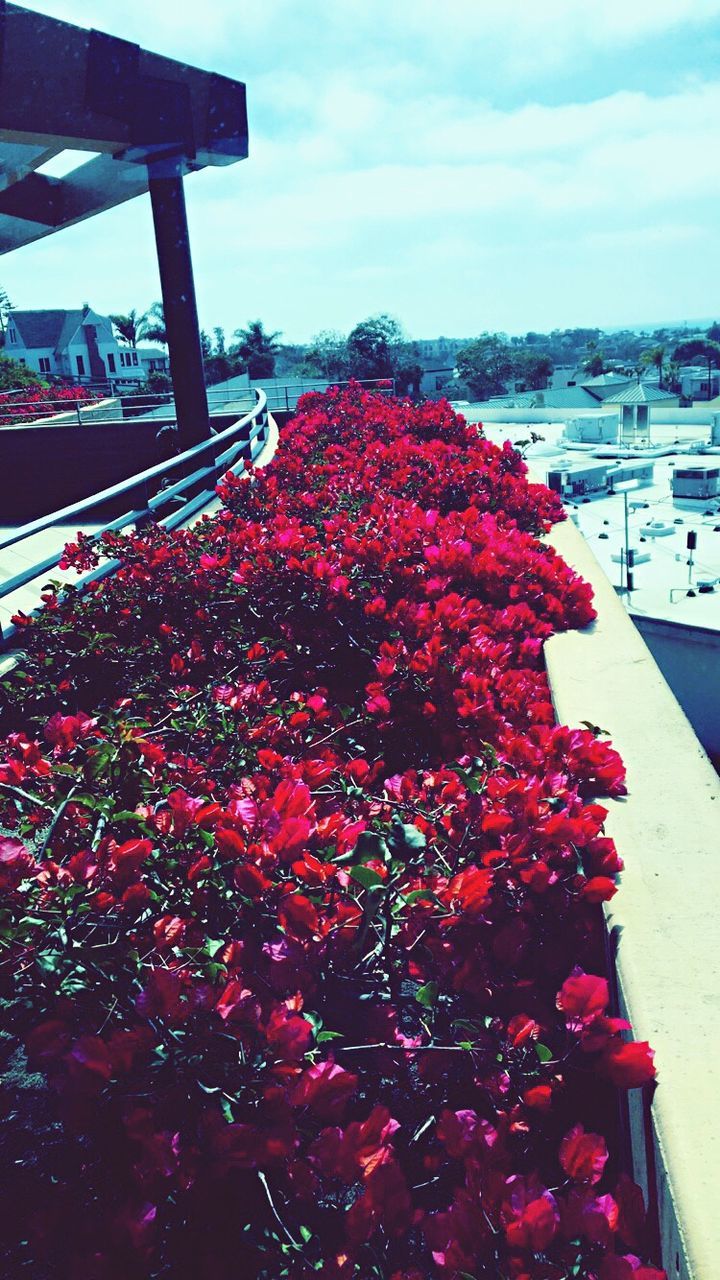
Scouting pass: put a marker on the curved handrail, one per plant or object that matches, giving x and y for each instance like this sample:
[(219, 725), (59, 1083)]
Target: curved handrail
[(142, 477), (220, 462)]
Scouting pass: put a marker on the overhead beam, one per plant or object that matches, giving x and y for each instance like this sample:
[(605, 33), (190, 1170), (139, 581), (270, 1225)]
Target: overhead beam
[(65, 88)]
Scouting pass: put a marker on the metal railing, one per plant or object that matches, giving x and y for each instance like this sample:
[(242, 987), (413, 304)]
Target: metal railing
[(205, 476), (111, 406)]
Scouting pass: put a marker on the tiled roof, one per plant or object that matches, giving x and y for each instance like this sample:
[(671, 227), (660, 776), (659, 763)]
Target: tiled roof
[(46, 328)]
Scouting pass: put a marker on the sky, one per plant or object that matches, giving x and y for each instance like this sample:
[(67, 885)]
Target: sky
[(463, 165)]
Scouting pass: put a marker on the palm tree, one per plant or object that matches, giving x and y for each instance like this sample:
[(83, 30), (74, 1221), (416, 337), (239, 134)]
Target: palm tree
[(673, 375), (594, 362), (153, 324), (129, 326), (257, 349), (654, 356)]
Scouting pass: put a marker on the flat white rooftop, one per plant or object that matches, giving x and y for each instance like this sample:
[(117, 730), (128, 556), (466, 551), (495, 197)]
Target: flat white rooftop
[(662, 582)]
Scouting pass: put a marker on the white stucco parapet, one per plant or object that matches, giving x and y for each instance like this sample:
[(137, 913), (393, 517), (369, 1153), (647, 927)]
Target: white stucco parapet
[(664, 923)]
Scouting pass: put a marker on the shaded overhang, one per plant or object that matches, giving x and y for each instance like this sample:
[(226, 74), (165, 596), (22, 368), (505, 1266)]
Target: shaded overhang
[(141, 115)]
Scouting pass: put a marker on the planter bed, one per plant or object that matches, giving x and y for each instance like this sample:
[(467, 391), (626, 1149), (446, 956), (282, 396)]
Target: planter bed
[(301, 887)]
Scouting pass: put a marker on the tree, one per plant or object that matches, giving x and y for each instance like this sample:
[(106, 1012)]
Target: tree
[(485, 365), (654, 357), (532, 370), (129, 326), (374, 348), (13, 374), (713, 333), (408, 371), (672, 380), (217, 361), (699, 349), (5, 306), (594, 362), (257, 349), (327, 357), (152, 324)]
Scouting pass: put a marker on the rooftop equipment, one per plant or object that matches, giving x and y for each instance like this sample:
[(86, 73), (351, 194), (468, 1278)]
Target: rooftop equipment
[(696, 482)]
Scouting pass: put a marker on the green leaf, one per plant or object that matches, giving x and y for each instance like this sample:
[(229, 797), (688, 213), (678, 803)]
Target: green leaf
[(371, 845), (212, 946), (227, 1110), (543, 1053), (322, 1036), (368, 878), (306, 1234), (427, 995), (406, 836), (420, 895)]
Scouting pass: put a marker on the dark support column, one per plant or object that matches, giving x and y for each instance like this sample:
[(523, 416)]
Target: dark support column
[(181, 318)]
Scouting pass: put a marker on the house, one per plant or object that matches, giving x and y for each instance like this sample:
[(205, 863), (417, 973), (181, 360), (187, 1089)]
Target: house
[(435, 375), (694, 382), (154, 360), (77, 344)]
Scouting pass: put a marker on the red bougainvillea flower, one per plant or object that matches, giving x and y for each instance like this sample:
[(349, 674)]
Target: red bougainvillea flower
[(529, 1214), (302, 884), (583, 1155)]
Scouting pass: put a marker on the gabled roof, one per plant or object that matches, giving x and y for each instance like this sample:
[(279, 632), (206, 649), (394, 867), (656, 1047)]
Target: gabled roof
[(46, 328), (639, 393)]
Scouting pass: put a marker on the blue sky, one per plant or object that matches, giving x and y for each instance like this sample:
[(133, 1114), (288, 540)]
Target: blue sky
[(462, 164)]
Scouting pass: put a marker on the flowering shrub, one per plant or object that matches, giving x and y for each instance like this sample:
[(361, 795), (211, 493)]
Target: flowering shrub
[(301, 886), (39, 401)]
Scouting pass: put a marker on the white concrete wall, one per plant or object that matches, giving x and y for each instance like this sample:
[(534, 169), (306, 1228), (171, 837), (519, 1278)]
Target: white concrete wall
[(689, 658), (700, 417), (663, 923)]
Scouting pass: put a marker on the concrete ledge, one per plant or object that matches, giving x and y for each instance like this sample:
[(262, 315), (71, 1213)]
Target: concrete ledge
[(663, 923)]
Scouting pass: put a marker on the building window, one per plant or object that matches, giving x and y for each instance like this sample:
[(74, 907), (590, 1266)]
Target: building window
[(134, 357), (44, 364), (12, 335), (111, 362), (80, 366)]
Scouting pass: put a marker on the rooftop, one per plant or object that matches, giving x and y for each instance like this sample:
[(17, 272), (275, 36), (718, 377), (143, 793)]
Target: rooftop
[(662, 581), (47, 328), (639, 393)]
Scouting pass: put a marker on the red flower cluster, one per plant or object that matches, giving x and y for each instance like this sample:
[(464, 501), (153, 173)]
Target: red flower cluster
[(301, 904), (39, 402)]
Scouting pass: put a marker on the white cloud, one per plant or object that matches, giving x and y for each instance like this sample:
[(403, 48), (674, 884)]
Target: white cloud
[(418, 154)]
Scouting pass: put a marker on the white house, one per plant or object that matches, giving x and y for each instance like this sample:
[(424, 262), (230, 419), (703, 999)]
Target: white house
[(71, 344), (694, 382), (154, 360)]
